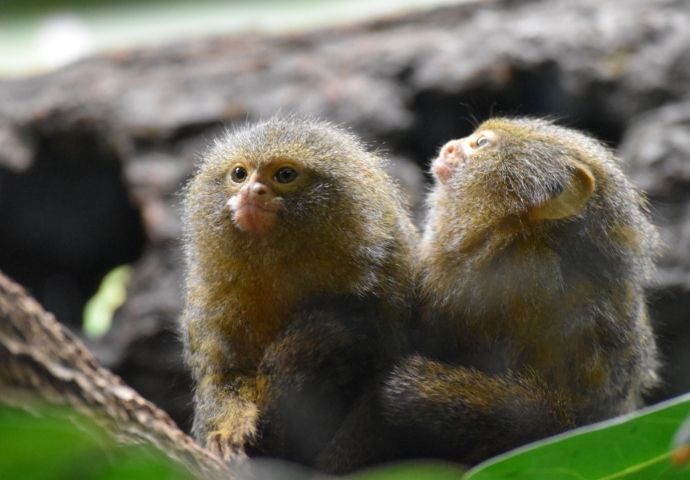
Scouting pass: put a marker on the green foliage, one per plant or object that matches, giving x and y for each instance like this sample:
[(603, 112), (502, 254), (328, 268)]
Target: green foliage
[(635, 447), (111, 294), (53, 447)]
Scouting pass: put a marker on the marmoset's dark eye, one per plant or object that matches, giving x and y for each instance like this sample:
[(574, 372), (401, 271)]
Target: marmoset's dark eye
[(482, 141), (285, 175), (239, 174)]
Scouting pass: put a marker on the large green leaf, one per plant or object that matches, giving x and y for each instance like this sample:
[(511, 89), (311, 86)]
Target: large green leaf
[(631, 447), (63, 445), (634, 447)]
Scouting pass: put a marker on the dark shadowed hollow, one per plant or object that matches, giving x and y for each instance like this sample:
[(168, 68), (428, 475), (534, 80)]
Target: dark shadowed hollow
[(67, 219)]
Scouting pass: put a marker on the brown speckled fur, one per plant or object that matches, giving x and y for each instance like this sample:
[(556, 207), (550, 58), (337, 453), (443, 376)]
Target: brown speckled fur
[(284, 332), (532, 325)]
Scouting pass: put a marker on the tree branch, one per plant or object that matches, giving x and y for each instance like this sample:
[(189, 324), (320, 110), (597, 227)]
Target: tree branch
[(41, 359)]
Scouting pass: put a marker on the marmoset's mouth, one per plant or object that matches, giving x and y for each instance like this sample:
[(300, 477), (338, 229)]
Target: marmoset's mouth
[(442, 168), (254, 216), (268, 207)]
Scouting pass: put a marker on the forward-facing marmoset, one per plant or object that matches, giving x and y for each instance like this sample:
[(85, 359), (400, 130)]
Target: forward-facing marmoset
[(533, 262), (299, 286)]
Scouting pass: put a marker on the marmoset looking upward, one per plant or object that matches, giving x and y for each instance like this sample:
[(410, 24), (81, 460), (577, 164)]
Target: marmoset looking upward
[(533, 264)]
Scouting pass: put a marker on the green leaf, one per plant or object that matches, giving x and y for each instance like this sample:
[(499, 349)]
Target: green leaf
[(636, 446), (59, 444), (111, 294)]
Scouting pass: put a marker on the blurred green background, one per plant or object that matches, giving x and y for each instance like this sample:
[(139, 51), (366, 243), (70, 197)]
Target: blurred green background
[(37, 35)]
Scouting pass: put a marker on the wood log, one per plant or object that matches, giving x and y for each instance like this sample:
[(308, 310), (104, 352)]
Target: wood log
[(40, 360)]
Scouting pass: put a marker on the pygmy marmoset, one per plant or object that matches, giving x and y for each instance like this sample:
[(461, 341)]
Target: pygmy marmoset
[(298, 286), (533, 262)]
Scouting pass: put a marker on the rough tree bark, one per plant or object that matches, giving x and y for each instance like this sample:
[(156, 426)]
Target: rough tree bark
[(41, 360)]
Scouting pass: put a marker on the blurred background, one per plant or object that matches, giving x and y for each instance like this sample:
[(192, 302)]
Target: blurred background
[(37, 35), (105, 106)]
